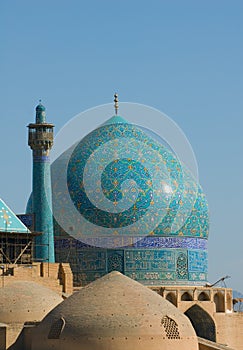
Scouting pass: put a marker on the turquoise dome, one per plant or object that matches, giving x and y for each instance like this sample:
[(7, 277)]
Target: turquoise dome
[(123, 201), (40, 117), (124, 161), (40, 108)]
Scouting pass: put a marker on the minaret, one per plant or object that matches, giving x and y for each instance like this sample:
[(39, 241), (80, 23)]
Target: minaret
[(41, 141)]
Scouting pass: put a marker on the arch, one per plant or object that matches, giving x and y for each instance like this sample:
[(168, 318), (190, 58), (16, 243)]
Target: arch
[(219, 302), (115, 261), (171, 297), (182, 266), (202, 322), (203, 297), (186, 297)]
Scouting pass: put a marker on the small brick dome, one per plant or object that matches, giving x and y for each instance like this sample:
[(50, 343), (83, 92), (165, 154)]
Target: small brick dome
[(25, 301), (115, 312)]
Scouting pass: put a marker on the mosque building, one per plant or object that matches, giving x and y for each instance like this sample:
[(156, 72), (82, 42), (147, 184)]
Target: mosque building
[(132, 222), (145, 216)]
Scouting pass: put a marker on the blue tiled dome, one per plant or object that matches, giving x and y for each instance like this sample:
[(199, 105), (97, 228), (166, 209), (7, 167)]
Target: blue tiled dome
[(131, 193), (118, 174), (40, 108)]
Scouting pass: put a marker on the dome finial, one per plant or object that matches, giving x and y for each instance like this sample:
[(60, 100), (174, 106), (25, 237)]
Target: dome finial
[(116, 103)]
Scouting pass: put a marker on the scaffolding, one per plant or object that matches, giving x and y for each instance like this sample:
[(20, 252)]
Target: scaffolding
[(16, 247)]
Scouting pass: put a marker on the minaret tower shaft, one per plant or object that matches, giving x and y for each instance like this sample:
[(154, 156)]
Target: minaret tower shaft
[(40, 141)]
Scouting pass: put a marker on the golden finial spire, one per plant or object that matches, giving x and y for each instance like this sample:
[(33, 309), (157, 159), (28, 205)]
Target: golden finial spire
[(116, 103)]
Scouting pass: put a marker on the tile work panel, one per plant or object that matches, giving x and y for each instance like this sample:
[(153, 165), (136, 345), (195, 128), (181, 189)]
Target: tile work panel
[(150, 260), (150, 242), (198, 261)]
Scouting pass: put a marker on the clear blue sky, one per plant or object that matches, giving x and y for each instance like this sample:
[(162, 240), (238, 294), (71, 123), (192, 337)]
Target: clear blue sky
[(184, 58)]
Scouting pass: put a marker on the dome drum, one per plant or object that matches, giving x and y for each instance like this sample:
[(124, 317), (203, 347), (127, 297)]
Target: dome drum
[(146, 261)]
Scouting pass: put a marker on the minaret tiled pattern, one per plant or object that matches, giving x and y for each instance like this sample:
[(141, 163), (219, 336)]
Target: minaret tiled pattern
[(41, 141)]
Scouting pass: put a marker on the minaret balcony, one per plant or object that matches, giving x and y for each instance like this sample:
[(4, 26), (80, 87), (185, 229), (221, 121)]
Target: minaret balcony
[(43, 136)]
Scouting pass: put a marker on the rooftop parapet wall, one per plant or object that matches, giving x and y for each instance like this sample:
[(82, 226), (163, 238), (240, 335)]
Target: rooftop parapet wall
[(55, 276)]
